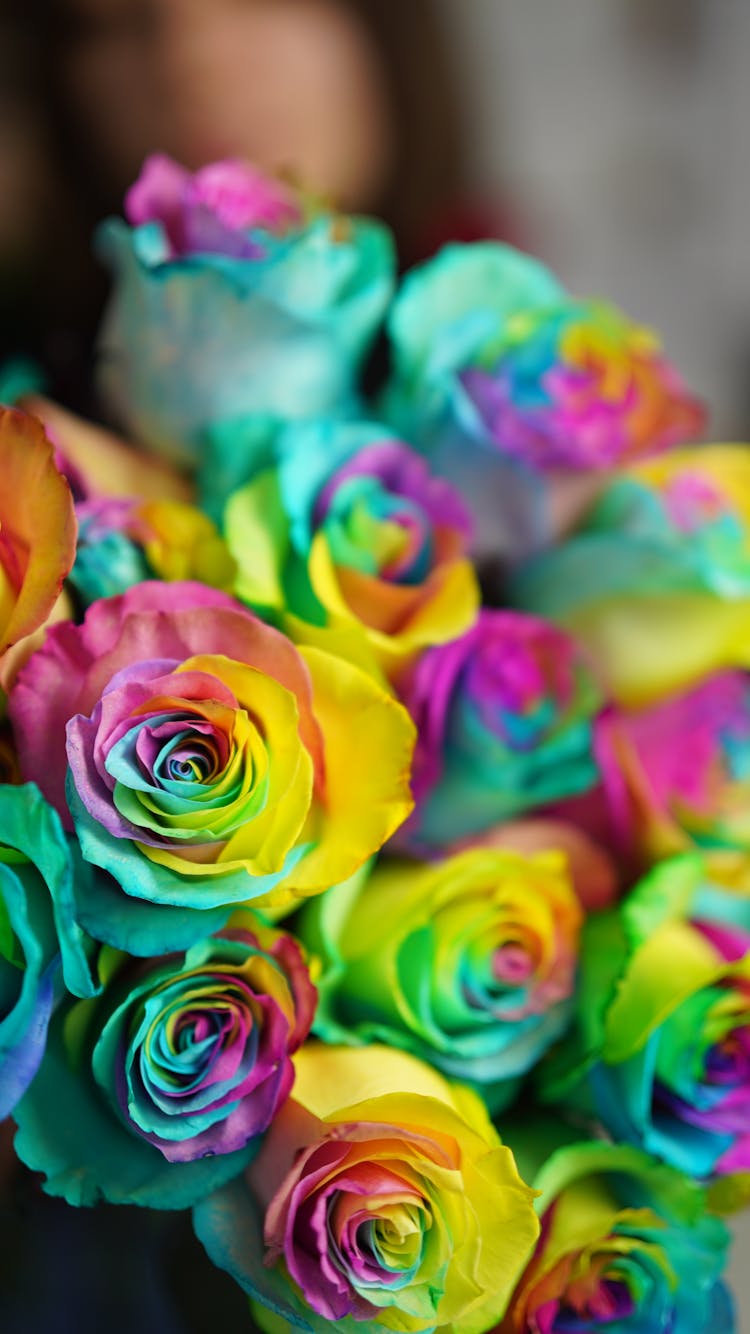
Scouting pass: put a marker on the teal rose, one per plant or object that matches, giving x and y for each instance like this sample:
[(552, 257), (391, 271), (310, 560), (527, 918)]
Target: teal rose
[(164, 1084), (235, 307)]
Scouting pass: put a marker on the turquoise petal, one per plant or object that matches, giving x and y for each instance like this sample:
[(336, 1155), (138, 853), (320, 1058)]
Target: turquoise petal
[(208, 338), (141, 878), (106, 566), (141, 928), (87, 1155), (233, 452), (452, 310), (309, 453), (29, 825)]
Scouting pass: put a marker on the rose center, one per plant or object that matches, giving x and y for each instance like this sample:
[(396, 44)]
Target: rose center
[(609, 1301), (512, 964)]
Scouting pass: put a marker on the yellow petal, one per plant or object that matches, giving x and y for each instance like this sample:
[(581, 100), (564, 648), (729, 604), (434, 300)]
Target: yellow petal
[(649, 648), (37, 527), (397, 620), (369, 740)]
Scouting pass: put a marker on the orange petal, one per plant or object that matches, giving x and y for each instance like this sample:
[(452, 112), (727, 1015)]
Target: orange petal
[(592, 870), (37, 526)]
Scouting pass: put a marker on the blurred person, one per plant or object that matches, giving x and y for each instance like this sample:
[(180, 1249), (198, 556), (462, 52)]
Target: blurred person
[(356, 100)]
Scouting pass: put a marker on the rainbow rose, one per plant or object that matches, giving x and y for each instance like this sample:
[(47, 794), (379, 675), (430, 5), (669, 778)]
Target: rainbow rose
[(509, 386), (579, 386), (37, 527), (675, 778), (445, 315), (207, 759), (381, 1199), (661, 1050), (121, 542), (351, 530), (232, 306), (627, 1244), (656, 579), (165, 1082), (38, 934), (469, 963), (504, 721)]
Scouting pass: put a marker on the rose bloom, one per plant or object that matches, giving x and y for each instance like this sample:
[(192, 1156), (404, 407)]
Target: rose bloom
[(180, 1061), (233, 301), (469, 962), (381, 1199), (660, 1051), (358, 534), (209, 759), (514, 391), (655, 580), (504, 719), (579, 386), (627, 1244)]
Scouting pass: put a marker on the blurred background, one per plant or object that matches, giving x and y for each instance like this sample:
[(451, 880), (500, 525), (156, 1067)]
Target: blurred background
[(608, 138)]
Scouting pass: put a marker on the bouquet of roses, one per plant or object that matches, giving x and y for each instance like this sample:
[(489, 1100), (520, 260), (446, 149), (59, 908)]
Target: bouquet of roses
[(375, 831)]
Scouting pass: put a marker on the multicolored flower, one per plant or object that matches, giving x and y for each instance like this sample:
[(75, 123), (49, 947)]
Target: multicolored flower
[(452, 313), (577, 385), (508, 384), (627, 1244), (381, 1199), (181, 1063), (656, 580), (676, 777), (209, 760), (121, 542), (231, 305), (37, 527), (352, 531), (38, 935), (469, 963), (661, 1054), (504, 721)]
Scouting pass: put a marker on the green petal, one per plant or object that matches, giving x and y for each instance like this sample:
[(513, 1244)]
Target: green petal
[(666, 894), (667, 968), (257, 534), (31, 827)]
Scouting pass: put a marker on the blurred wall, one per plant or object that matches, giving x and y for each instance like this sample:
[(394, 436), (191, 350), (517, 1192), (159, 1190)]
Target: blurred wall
[(619, 128)]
